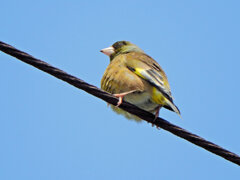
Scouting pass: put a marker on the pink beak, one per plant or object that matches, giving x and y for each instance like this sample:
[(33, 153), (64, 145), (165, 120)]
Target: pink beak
[(108, 51)]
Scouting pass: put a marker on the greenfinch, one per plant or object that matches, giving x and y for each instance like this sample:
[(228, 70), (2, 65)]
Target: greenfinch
[(135, 77)]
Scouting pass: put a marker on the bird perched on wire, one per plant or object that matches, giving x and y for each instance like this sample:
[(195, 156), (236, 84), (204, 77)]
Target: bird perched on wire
[(135, 77)]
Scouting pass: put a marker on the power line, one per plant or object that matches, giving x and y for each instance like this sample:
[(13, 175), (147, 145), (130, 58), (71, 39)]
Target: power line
[(159, 122)]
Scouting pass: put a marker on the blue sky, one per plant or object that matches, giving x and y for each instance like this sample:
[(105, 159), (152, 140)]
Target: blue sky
[(51, 130)]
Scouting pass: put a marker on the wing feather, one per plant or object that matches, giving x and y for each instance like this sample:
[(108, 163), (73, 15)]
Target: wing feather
[(148, 69)]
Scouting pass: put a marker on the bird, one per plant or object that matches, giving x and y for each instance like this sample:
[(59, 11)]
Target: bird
[(135, 77)]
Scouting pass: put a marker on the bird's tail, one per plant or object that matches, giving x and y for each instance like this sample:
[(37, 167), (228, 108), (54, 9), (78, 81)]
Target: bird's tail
[(171, 106)]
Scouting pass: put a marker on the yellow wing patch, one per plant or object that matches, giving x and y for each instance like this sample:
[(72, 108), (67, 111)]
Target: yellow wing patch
[(155, 79), (158, 97)]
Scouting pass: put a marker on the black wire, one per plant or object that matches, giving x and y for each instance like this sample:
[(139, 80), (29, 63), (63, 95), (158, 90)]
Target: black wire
[(159, 122)]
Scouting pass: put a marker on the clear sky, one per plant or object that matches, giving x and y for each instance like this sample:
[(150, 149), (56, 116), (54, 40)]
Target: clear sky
[(50, 130)]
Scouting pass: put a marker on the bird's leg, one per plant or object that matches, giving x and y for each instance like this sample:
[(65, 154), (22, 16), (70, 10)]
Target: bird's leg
[(121, 95), (156, 116), (157, 112)]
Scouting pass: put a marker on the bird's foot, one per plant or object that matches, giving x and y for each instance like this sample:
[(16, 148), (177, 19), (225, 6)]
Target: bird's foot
[(120, 98), (157, 112), (153, 125), (121, 95), (156, 116)]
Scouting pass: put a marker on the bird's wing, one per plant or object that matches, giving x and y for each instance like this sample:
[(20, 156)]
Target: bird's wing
[(148, 69)]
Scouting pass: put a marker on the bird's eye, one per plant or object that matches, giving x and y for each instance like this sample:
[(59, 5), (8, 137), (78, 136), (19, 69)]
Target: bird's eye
[(119, 44), (124, 42)]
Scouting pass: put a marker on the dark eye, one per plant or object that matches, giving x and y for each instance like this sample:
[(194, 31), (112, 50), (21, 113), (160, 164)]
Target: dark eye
[(119, 44)]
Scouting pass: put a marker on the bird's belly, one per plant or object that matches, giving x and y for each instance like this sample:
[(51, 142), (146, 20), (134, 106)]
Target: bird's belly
[(142, 100)]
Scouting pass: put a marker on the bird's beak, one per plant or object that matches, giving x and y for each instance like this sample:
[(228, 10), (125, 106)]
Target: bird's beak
[(108, 51)]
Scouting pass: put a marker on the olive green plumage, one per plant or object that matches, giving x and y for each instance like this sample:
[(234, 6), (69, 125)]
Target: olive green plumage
[(137, 78)]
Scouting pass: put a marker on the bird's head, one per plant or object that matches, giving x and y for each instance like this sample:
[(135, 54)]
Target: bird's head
[(120, 47)]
